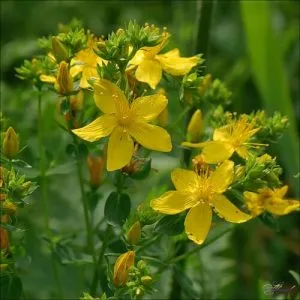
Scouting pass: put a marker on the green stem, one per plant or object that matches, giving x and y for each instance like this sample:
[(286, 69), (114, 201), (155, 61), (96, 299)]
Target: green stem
[(88, 225), (44, 194), (99, 262)]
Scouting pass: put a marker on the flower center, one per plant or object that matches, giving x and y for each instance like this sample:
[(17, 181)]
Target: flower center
[(124, 120)]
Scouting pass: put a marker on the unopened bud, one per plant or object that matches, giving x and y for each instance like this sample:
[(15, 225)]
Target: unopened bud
[(146, 280), (141, 265), (120, 31), (96, 168), (134, 233), (194, 127), (9, 207), (59, 50), (205, 84), (4, 240), (76, 101), (64, 80), (10, 143), (121, 268)]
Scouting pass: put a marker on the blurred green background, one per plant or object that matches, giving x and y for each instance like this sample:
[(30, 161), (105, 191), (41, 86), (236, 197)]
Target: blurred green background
[(253, 48)]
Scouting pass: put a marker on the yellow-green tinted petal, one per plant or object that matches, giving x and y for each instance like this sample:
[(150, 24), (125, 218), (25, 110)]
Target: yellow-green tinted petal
[(88, 73), (47, 78), (254, 202), (149, 107), (197, 222), (109, 97), (185, 180), (149, 71), (227, 210), (281, 207), (242, 151), (173, 202), (99, 128), (175, 65), (120, 149), (194, 145), (280, 193), (222, 177), (150, 136), (215, 151), (75, 68)]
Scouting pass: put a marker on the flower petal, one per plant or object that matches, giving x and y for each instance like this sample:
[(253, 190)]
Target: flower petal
[(120, 149), (197, 223), (223, 133), (109, 97), (227, 210), (150, 136), (149, 71), (175, 65), (254, 202), (173, 202), (281, 207), (99, 128), (48, 78), (149, 107), (222, 177), (215, 151), (88, 73), (185, 180), (242, 151), (280, 193)]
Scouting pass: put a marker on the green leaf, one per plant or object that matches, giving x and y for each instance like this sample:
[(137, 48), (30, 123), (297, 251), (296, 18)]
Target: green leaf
[(11, 227), (170, 225), (117, 208), (296, 276), (61, 169), (268, 69), (11, 287)]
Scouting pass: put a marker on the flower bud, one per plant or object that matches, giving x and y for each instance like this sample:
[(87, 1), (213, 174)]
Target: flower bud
[(10, 143), (9, 207), (205, 84), (121, 268), (96, 168), (195, 126), (76, 101), (146, 280), (134, 233), (64, 80), (59, 50), (4, 240)]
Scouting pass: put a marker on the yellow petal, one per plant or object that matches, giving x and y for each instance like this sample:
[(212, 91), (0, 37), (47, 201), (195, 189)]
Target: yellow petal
[(223, 133), (198, 222), (109, 98), (222, 177), (281, 207), (242, 151), (215, 151), (120, 149), (88, 73), (280, 193), (175, 65), (227, 210), (149, 107), (254, 202), (47, 78), (75, 68), (149, 71), (185, 180), (150, 136), (99, 128), (173, 202)]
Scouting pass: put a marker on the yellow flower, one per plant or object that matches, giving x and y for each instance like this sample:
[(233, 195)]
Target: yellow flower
[(63, 82), (227, 140), (124, 121), (85, 62), (122, 266), (200, 193), (150, 64), (270, 200)]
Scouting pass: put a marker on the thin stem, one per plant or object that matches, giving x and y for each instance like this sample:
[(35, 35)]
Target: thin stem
[(88, 225), (99, 262), (44, 194)]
